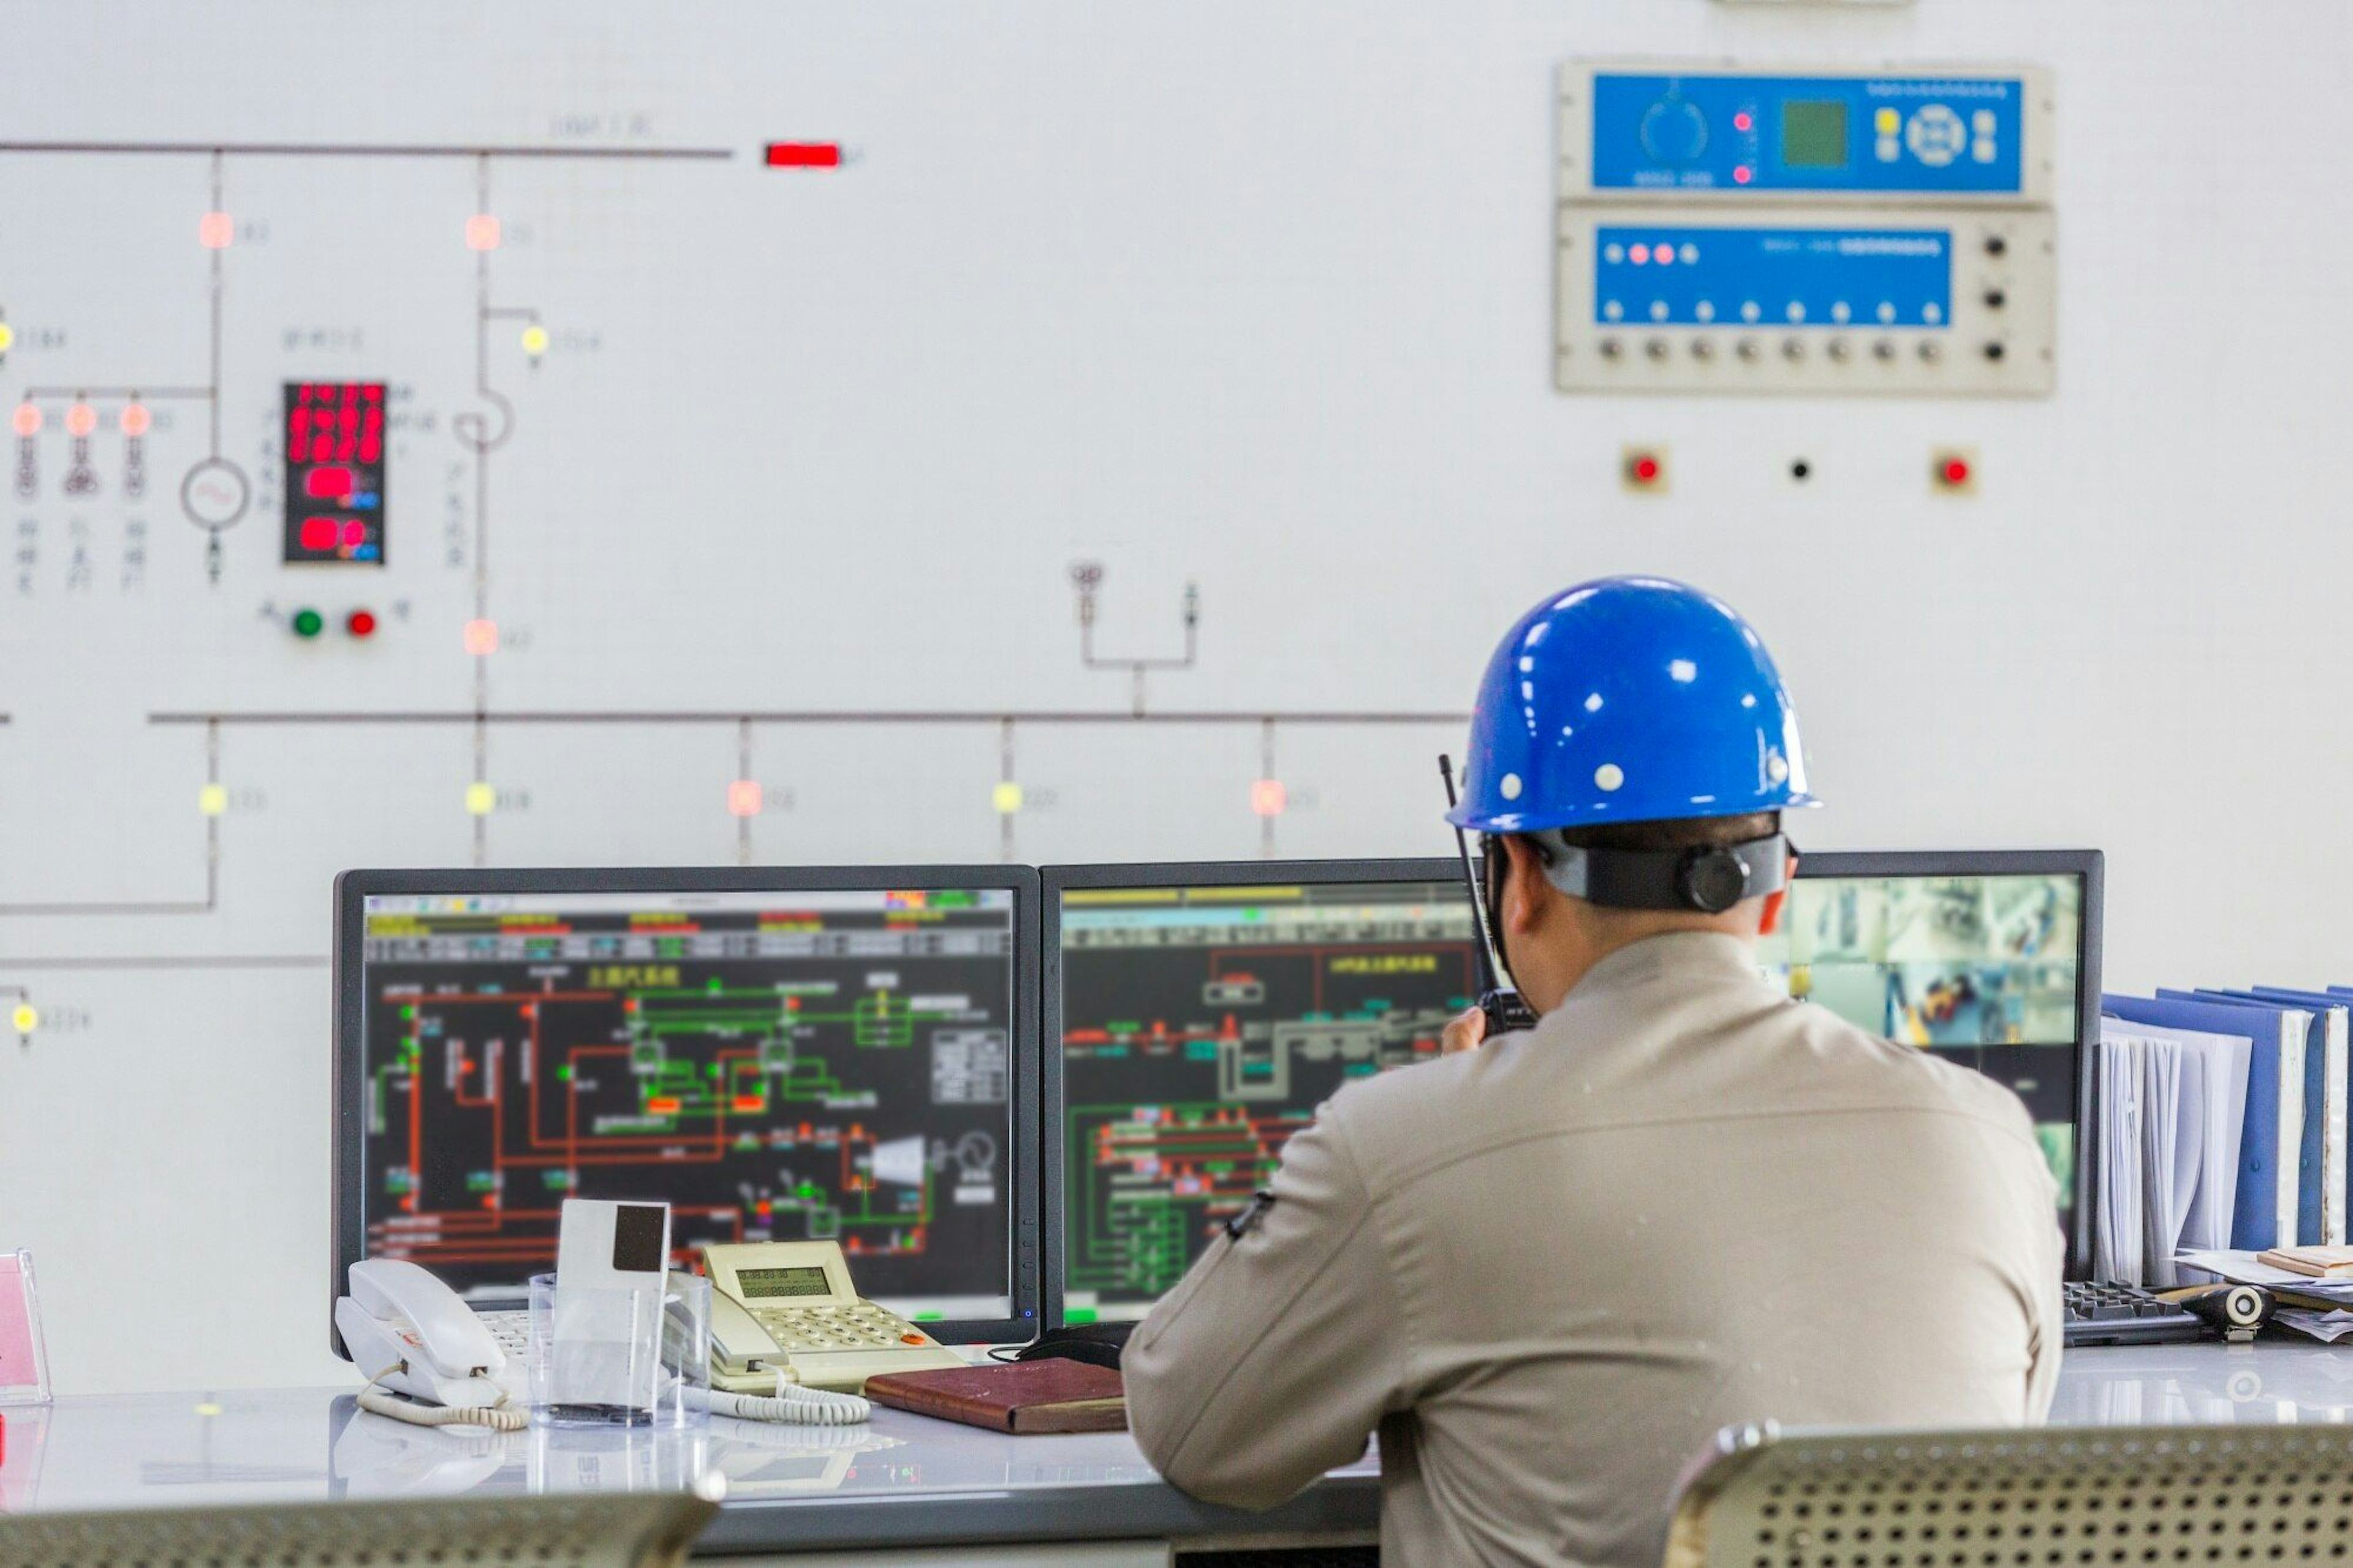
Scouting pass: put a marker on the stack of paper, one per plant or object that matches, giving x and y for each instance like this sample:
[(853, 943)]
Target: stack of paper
[(2172, 1113)]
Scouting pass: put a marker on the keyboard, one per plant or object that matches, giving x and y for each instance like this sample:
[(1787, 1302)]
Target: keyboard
[(2099, 1313)]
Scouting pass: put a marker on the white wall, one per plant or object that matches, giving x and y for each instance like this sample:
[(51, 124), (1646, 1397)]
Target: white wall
[(1257, 295)]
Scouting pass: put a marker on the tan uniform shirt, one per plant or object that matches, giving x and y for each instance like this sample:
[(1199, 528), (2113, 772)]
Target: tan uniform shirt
[(1551, 1268)]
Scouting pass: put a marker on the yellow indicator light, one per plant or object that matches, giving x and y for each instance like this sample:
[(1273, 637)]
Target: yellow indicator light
[(534, 340), (1006, 797), (213, 799), (1886, 122), (480, 798), (25, 1018), (7, 337), (209, 1409)]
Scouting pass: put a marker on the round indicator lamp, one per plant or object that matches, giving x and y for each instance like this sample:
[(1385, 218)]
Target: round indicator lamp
[(7, 337), (534, 340), (307, 623), (25, 1018), (136, 420), (26, 420), (1644, 469), (1955, 471), (80, 419), (360, 623)]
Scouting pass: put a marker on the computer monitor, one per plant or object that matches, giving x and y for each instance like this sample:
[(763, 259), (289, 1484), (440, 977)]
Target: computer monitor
[(842, 1054), (1989, 959), (1196, 1013)]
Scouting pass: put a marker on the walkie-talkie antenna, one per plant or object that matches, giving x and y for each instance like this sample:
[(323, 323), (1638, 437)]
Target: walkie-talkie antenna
[(1491, 967)]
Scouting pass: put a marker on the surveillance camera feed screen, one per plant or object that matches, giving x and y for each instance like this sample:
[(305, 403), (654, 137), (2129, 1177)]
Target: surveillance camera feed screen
[(778, 1065), (1982, 970)]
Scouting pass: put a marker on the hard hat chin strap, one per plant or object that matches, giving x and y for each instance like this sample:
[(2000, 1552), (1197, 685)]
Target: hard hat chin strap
[(1707, 878)]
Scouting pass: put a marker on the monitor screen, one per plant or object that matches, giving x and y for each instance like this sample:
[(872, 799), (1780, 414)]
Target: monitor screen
[(1200, 1026), (779, 1064), (1983, 969)]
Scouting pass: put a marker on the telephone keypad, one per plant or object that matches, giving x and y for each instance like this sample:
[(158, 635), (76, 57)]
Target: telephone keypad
[(859, 1326)]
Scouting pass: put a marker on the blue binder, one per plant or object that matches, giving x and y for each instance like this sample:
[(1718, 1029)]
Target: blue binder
[(2311, 1161), (2337, 1090), (2263, 1198)]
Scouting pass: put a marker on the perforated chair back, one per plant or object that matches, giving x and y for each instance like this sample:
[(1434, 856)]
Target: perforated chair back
[(2151, 1497), (587, 1531)]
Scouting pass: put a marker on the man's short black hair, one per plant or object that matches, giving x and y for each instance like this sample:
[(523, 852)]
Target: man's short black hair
[(1676, 833)]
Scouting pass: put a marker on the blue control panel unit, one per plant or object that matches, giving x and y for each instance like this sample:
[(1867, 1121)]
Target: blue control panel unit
[(1863, 135), (1732, 277)]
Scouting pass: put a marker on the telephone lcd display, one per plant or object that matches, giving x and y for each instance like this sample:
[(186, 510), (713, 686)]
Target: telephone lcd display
[(761, 1284)]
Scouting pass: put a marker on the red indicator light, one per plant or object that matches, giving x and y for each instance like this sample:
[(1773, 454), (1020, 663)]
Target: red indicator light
[(318, 533), (1742, 174), (80, 419), (804, 155), (1268, 797), (332, 484), (743, 797), (26, 420), (1955, 472), (214, 230), (136, 419), (482, 232), (1744, 121), (1645, 469), (360, 624), (355, 533), (1638, 254)]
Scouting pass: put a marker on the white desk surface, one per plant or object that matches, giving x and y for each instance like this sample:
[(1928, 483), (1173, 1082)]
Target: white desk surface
[(899, 1480)]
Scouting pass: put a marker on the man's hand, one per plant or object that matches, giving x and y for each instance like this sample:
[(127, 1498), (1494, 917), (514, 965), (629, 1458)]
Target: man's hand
[(1462, 1033)]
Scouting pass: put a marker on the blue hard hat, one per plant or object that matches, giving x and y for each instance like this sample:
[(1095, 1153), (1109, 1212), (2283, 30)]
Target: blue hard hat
[(1628, 699)]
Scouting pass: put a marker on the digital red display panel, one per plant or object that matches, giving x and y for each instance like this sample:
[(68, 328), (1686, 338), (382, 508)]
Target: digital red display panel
[(334, 471)]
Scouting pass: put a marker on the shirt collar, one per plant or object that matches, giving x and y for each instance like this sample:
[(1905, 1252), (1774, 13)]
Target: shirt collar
[(1683, 957)]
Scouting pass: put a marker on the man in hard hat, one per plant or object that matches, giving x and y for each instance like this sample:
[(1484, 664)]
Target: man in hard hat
[(1548, 1269)]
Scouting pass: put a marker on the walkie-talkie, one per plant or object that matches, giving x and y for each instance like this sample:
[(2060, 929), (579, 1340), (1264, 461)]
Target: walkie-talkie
[(1505, 1010)]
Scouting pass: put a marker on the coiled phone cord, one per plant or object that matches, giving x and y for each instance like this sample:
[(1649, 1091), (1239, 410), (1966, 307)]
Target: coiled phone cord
[(384, 1402), (807, 1407)]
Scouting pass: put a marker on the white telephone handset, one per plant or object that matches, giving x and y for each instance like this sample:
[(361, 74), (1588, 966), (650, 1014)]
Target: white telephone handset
[(410, 1333)]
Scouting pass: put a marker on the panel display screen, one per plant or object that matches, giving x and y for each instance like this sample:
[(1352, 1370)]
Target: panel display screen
[(1201, 1027), (1981, 970), (1730, 277), (779, 1066), (760, 1284), (1813, 133), (334, 436)]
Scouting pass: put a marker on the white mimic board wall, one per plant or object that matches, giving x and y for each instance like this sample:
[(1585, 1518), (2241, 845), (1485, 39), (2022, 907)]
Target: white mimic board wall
[(1254, 297)]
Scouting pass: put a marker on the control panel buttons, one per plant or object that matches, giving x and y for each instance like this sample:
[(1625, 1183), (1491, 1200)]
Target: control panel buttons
[(1793, 348), (1612, 347), (1935, 135), (1656, 348), (1995, 245), (1884, 350), (1994, 349), (1747, 349), (1838, 349), (1995, 299), (1931, 351), (1673, 130)]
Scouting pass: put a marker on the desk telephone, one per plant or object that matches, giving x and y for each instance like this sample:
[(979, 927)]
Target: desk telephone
[(788, 1307), (790, 1340)]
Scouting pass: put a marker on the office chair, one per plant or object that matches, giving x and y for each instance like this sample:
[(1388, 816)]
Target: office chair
[(2174, 1497), (643, 1530)]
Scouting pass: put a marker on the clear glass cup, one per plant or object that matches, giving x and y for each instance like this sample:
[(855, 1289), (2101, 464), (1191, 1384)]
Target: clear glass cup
[(621, 1357)]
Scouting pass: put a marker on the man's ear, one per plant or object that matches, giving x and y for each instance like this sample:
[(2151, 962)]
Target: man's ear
[(1523, 892), (1769, 921)]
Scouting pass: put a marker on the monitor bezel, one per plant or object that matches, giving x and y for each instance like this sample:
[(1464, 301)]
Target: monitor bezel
[(1055, 881), (2087, 863), (1022, 1183), (2091, 866)]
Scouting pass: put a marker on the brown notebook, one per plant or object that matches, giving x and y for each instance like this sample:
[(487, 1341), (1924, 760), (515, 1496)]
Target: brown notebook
[(1021, 1396)]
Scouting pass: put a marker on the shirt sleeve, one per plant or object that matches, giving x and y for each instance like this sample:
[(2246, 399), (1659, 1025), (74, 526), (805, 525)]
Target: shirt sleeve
[(1277, 1354), (2049, 1331)]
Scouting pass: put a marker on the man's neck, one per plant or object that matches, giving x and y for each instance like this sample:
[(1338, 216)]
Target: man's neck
[(1615, 931)]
